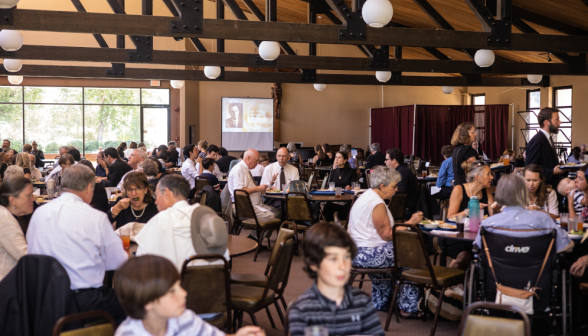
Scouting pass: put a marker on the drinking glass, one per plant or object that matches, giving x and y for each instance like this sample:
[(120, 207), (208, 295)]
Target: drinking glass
[(506, 160), (459, 223), (125, 235), (563, 220), (284, 188), (424, 172), (316, 331), (108, 193), (338, 192), (331, 186), (353, 185), (572, 224)]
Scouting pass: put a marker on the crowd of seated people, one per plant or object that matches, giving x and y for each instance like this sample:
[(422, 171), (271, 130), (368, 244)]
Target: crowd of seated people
[(147, 298)]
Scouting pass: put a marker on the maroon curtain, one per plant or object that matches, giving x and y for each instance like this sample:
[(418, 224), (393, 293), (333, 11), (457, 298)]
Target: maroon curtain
[(392, 127), (435, 125), (496, 124)]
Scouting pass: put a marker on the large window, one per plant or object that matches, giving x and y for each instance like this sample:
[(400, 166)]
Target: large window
[(562, 97), (86, 118)]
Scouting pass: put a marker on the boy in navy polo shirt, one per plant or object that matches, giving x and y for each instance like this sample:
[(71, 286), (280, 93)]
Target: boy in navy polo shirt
[(331, 302)]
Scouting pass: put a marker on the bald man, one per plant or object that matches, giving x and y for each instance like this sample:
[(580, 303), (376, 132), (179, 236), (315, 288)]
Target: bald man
[(279, 173), (240, 178)]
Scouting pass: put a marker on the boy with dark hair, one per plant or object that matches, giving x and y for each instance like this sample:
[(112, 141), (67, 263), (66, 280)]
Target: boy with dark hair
[(148, 288), (208, 165), (344, 310)]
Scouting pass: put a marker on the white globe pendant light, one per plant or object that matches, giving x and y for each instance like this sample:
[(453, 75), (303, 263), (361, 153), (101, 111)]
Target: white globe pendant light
[(484, 58), (8, 3), (447, 89), (383, 76), (12, 65), (377, 13), (15, 79), (177, 84), (534, 79), (212, 72), (10, 40), (269, 50), (320, 87)]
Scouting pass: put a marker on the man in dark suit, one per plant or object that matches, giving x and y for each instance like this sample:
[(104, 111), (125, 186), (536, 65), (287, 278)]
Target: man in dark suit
[(376, 158), (225, 161), (408, 182), (541, 149), (117, 168)]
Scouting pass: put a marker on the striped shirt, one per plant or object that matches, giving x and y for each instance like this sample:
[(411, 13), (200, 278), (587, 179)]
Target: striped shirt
[(578, 207), (355, 316), (187, 324)]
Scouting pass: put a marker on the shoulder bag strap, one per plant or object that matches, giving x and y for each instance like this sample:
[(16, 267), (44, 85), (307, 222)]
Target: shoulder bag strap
[(489, 258), (545, 260)]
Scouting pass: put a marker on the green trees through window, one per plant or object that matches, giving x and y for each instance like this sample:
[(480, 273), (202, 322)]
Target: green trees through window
[(86, 118)]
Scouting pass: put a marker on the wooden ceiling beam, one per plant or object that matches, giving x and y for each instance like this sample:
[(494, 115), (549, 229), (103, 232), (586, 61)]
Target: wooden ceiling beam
[(260, 77), (547, 22), (187, 58), (98, 23), (525, 28)]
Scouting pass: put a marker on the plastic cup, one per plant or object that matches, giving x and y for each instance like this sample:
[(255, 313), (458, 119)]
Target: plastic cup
[(563, 220), (284, 187), (331, 186), (338, 192), (108, 193), (125, 235), (353, 185), (459, 223)]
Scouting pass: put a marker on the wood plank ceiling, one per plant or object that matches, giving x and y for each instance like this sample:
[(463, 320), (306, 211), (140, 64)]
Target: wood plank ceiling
[(460, 16)]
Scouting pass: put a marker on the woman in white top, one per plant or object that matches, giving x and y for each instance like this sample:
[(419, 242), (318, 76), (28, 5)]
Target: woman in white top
[(370, 226), (541, 197), (16, 199)]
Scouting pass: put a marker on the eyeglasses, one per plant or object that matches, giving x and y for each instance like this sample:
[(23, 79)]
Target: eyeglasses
[(473, 132), (133, 190)]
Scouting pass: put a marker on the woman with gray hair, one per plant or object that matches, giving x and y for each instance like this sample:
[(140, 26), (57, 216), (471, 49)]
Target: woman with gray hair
[(513, 194), (478, 177), (294, 157), (370, 226), (12, 172)]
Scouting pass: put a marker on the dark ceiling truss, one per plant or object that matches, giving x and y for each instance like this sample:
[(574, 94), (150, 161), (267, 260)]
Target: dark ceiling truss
[(98, 23), (187, 58), (261, 77), (373, 41)]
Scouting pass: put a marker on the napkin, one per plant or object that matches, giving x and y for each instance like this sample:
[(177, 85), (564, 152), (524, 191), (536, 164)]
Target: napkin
[(441, 232)]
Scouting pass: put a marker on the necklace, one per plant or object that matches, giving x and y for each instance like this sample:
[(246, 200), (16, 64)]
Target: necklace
[(137, 217), (339, 172)]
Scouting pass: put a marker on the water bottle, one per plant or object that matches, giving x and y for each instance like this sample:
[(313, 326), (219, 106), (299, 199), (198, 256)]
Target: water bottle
[(474, 206)]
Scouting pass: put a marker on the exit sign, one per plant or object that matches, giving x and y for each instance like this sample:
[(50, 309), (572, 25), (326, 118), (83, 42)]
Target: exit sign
[(155, 83)]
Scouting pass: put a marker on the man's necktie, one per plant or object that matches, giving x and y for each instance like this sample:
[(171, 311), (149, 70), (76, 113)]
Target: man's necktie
[(282, 179)]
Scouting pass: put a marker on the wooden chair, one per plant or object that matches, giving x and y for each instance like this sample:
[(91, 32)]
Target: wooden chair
[(252, 299), (476, 325), (260, 280), (103, 329), (209, 291), (345, 223), (245, 217), (298, 209), (201, 181), (397, 206), (410, 252)]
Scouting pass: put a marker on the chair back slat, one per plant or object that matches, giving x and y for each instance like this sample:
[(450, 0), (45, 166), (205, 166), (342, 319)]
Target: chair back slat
[(397, 205), (278, 277), (298, 207), (243, 205), (408, 251), (104, 329), (208, 286)]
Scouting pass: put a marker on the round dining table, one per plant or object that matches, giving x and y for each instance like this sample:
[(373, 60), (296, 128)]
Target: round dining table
[(237, 246), (345, 197)]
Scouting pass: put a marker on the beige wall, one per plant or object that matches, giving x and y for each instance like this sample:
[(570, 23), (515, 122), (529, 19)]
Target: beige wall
[(517, 96)]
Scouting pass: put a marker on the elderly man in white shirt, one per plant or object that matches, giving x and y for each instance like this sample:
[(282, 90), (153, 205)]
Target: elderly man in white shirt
[(81, 238), (279, 173), (136, 159), (168, 234), (189, 171), (35, 172)]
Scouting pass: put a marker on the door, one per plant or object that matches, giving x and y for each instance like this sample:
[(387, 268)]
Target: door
[(156, 125)]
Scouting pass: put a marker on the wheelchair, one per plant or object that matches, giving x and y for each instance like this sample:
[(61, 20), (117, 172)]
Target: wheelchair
[(518, 261)]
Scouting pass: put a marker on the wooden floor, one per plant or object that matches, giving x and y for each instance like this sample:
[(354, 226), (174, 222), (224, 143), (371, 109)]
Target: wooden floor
[(299, 282)]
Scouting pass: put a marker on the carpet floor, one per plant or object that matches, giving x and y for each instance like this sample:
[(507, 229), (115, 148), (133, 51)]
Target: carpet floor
[(300, 282)]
